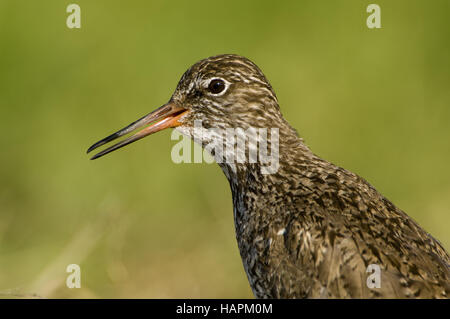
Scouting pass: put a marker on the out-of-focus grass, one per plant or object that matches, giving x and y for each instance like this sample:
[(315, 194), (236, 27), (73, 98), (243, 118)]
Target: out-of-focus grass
[(373, 101)]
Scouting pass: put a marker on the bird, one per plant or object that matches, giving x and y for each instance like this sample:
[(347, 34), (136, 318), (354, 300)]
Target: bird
[(309, 228)]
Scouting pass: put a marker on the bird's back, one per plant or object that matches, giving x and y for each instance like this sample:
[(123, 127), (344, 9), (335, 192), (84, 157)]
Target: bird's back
[(315, 229)]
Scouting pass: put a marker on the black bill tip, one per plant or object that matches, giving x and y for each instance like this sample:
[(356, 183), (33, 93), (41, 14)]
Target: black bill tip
[(102, 142)]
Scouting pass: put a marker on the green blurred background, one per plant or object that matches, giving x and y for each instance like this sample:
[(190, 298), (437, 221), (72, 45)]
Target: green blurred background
[(373, 101)]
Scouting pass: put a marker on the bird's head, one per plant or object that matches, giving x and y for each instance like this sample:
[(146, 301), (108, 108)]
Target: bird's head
[(224, 91)]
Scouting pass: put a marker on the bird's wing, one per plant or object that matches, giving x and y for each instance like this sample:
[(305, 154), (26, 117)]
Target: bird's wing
[(334, 234)]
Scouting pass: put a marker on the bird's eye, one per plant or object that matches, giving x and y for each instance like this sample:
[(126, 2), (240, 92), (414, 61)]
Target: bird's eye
[(216, 86)]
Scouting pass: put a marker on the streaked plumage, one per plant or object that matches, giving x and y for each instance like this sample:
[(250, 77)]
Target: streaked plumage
[(311, 229)]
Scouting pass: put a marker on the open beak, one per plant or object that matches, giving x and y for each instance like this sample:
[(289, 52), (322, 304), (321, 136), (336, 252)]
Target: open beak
[(164, 117)]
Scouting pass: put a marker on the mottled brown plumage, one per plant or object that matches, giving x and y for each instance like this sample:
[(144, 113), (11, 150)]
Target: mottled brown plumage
[(310, 229)]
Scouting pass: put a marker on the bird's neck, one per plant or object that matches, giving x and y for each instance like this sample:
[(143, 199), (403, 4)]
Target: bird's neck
[(260, 199), (276, 152), (251, 181)]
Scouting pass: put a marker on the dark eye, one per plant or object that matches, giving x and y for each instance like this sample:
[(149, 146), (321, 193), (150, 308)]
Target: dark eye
[(216, 86)]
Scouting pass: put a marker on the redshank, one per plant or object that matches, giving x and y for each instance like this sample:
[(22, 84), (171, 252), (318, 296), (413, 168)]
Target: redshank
[(308, 229)]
